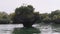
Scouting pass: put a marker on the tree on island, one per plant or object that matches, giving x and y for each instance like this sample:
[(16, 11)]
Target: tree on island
[(26, 16)]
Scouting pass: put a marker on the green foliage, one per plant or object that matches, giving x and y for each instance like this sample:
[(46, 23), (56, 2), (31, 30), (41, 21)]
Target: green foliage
[(53, 17), (3, 14), (4, 19), (26, 16), (56, 12)]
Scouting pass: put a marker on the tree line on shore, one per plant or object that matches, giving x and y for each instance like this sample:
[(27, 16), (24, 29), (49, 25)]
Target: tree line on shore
[(28, 11)]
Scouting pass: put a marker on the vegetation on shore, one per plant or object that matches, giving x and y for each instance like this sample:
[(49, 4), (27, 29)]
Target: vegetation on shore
[(53, 17)]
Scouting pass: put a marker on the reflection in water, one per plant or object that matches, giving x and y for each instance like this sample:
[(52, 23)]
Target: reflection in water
[(26, 31), (8, 29)]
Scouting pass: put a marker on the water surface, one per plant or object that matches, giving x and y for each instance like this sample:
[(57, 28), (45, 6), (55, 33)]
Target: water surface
[(8, 28)]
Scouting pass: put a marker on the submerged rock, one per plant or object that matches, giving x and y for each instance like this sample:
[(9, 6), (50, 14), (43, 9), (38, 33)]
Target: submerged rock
[(25, 31)]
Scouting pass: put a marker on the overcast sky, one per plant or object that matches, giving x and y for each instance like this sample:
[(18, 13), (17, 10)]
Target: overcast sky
[(43, 6)]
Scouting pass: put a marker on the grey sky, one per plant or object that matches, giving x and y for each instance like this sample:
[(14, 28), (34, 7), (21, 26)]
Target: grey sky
[(43, 6)]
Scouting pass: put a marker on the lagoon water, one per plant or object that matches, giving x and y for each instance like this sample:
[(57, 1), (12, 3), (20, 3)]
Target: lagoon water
[(8, 28)]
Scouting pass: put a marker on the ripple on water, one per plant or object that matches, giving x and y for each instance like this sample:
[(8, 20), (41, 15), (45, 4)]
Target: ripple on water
[(56, 33), (7, 29)]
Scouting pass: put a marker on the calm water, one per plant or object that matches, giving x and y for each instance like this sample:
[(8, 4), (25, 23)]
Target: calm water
[(45, 29)]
